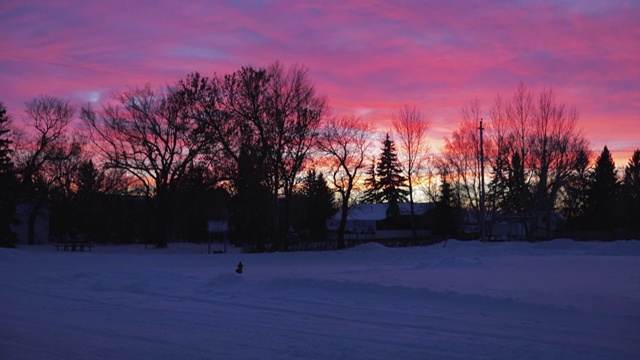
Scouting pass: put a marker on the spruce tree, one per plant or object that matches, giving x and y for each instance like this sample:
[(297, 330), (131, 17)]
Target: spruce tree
[(498, 193), (390, 183), (602, 192), (517, 187), (372, 194), (321, 203), (576, 191), (632, 191), (8, 182), (86, 201), (6, 165), (445, 214)]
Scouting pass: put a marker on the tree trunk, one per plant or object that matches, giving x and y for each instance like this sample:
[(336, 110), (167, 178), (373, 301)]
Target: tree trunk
[(31, 222), (163, 218), (414, 232), (277, 236), (343, 222), (31, 226), (287, 216)]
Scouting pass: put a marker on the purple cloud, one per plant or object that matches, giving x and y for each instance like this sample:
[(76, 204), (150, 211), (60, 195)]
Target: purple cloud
[(369, 57)]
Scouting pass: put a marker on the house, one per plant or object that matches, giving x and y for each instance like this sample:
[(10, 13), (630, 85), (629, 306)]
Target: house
[(523, 226), (504, 226), (468, 226), (369, 221)]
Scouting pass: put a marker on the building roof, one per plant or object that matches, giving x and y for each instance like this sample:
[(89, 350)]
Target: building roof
[(377, 212)]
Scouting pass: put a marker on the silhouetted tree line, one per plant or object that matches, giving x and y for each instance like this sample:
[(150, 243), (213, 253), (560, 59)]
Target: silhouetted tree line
[(602, 198), (538, 165), (221, 147), (258, 148)]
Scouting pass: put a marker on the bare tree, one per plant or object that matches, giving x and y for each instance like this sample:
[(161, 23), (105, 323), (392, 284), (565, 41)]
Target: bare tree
[(434, 169), (511, 128), (460, 158), (147, 135), (206, 100), (269, 116), (517, 118), (499, 187), (537, 151), (46, 156), (520, 113), (231, 111), (411, 127), (294, 112), (345, 141), (556, 148)]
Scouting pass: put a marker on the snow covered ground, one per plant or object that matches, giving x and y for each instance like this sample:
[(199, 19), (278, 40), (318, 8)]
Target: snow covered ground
[(468, 300)]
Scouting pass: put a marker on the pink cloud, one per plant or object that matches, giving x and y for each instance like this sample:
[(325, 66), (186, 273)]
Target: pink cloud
[(367, 57)]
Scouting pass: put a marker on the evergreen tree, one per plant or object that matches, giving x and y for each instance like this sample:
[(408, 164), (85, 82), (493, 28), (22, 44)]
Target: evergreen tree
[(576, 196), (8, 182), (445, 215), (518, 193), (632, 190), (6, 165), (508, 190), (372, 194), (498, 193), (390, 181), (88, 217), (602, 192), (90, 180), (321, 203)]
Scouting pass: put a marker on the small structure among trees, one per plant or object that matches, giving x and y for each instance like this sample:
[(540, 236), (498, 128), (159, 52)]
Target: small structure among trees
[(370, 222)]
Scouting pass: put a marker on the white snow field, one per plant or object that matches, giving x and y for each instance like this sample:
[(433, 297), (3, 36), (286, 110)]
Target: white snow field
[(468, 300)]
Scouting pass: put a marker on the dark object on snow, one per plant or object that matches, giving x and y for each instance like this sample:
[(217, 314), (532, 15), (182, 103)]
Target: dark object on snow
[(239, 268)]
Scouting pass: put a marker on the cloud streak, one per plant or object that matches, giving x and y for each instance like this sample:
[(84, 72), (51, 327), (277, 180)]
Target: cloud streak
[(369, 57)]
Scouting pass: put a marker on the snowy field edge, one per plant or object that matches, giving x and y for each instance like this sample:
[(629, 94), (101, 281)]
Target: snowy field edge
[(559, 299)]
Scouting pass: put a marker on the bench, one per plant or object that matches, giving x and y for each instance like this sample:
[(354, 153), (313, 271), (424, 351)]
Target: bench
[(73, 246)]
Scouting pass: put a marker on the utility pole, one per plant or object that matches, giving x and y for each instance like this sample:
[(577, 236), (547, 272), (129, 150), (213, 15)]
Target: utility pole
[(482, 207)]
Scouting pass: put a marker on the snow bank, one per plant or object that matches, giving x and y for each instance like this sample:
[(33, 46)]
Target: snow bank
[(467, 300)]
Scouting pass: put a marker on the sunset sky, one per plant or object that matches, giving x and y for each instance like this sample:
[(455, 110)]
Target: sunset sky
[(368, 57)]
